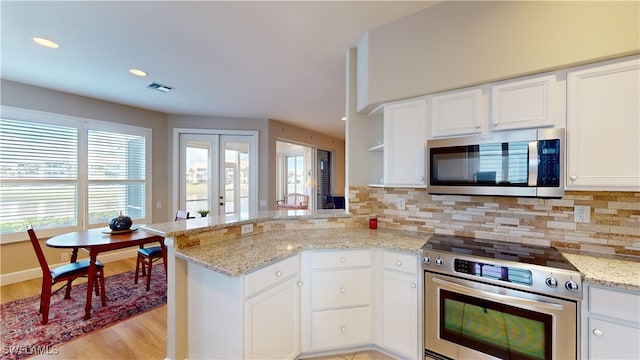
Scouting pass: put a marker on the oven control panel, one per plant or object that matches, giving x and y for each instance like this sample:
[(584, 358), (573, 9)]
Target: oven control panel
[(493, 271), (535, 278)]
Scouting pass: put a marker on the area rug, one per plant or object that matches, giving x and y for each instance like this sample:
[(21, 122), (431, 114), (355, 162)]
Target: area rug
[(24, 336)]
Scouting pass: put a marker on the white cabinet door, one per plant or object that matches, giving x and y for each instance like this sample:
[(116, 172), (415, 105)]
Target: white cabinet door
[(404, 143), (528, 103), (603, 124), (458, 112), (608, 340), (400, 333), (272, 323)]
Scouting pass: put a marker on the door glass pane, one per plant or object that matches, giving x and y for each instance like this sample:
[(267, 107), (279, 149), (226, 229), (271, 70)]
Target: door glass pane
[(236, 175), (197, 176)]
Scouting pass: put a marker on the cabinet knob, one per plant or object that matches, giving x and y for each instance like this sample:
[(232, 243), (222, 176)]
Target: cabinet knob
[(299, 283), (421, 178), (598, 332), (398, 263), (342, 289), (477, 125), (343, 329), (343, 260), (278, 273), (573, 178), (413, 285)]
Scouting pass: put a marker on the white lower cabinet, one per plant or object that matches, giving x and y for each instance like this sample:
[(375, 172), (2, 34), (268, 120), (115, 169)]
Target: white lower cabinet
[(336, 307), (279, 307), (235, 317), (610, 324), (401, 305)]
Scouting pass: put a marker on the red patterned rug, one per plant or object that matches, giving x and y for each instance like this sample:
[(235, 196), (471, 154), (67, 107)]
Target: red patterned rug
[(23, 335)]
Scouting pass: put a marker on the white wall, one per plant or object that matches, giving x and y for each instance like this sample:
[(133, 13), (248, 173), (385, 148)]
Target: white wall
[(461, 43)]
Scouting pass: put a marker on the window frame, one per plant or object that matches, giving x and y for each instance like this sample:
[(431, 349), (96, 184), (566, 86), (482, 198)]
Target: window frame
[(83, 125)]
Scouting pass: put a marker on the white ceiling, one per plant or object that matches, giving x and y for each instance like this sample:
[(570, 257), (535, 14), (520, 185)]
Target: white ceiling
[(275, 60)]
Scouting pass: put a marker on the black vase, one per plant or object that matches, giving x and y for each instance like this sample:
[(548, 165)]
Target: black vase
[(120, 223)]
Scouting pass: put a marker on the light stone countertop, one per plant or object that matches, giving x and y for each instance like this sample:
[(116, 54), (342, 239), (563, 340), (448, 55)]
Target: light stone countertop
[(233, 257), (607, 271)]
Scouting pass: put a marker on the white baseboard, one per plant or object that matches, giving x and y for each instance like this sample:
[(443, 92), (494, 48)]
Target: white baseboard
[(23, 275)]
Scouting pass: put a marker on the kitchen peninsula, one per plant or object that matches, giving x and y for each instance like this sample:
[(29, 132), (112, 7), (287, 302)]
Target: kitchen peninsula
[(225, 286)]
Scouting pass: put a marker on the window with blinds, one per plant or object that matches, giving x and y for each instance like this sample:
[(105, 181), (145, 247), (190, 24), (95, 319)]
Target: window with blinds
[(46, 179)]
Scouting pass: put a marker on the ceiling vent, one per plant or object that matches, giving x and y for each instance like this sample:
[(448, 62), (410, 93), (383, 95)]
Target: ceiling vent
[(159, 87)]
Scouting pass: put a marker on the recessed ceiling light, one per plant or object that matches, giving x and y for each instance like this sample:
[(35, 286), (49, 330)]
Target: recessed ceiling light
[(45, 42), (138, 72)]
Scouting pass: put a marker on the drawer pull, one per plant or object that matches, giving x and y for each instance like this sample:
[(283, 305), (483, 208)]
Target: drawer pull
[(399, 263), (598, 332), (343, 260), (343, 329), (278, 273), (413, 285), (343, 290)]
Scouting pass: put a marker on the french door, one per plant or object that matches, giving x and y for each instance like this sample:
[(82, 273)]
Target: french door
[(218, 173)]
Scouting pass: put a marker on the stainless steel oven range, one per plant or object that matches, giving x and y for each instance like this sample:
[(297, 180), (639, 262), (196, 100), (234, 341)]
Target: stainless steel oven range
[(487, 299)]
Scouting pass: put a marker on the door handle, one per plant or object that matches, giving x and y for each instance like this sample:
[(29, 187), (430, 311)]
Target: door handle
[(531, 304)]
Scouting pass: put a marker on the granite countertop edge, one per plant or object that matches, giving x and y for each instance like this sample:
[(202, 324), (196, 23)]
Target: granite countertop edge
[(210, 223), (235, 257)]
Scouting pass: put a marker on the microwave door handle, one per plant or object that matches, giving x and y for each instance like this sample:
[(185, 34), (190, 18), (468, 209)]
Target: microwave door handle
[(530, 304), (533, 164)]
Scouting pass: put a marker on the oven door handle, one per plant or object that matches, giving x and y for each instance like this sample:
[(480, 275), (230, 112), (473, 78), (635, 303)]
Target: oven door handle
[(537, 304)]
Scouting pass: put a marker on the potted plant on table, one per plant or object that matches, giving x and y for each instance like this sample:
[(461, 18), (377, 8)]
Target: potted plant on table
[(203, 213)]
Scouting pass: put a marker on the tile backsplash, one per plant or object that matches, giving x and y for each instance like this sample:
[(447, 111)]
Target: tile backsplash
[(614, 227)]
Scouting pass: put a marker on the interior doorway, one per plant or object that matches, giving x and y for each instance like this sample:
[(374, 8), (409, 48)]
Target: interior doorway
[(305, 170)]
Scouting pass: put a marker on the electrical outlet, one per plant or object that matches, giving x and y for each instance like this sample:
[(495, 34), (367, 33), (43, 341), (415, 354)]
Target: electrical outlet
[(582, 214), (246, 228), (64, 257), (401, 204)]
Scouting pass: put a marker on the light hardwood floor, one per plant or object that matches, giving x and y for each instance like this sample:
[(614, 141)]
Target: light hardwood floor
[(143, 336)]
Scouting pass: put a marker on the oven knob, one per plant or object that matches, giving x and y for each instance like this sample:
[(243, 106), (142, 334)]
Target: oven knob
[(439, 262), (571, 285), (551, 282), (426, 260)]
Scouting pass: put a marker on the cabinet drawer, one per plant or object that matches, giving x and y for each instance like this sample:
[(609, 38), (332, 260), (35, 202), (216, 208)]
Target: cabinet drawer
[(401, 262), (338, 328), (340, 259), (340, 288), (271, 275), (617, 304)]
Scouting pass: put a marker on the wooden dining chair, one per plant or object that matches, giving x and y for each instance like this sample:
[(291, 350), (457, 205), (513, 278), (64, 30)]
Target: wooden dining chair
[(148, 255), (65, 273)]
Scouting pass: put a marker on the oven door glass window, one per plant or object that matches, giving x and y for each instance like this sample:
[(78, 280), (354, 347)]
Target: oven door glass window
[(496, 329)]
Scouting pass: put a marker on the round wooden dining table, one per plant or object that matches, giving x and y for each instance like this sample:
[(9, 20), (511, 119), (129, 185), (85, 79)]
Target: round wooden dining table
[(100, 240)]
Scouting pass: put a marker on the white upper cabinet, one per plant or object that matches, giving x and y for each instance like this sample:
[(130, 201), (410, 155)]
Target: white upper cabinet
[(404, 143), (603, 126), (458, 112), (527, 103)]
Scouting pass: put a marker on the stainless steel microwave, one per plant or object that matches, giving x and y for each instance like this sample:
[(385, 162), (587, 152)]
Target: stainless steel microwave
[(511, 163)]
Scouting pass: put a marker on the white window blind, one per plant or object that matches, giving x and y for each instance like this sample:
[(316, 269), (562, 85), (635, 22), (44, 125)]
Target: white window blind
[(116, 168), (39, 175), (48, 181)]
